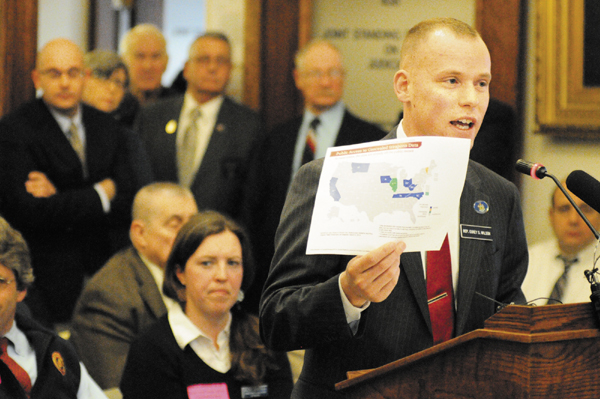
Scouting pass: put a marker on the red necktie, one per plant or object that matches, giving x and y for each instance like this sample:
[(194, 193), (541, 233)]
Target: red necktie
[(20, 374), (310, 146), (440, 295)]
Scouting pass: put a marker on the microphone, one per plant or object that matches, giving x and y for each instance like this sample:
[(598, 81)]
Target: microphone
[(585, 187), (535, 170), (538, 171)]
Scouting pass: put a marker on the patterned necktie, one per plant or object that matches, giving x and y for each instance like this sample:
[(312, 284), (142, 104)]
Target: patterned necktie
[(77, 144), (559, 288), (440, 297), (186, 152), (311, 142), (20, 374)]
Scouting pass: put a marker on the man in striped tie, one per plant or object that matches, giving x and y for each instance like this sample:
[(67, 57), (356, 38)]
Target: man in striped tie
[(66, 181), (557, 265), (362, 312)]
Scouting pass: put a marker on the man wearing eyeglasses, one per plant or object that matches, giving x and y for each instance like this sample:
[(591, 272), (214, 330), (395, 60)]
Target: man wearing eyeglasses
[(34, 362), (65, 181), (202, 140), (319, 75)]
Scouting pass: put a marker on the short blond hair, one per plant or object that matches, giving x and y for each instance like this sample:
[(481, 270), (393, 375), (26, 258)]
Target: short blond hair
[(421, 31)]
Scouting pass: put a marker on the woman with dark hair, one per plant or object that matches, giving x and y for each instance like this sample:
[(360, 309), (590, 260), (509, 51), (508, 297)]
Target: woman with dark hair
[(208, 347)]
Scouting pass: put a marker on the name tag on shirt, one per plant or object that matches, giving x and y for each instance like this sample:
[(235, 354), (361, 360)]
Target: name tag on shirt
[(471, 232), (259, 391), (208, 391)]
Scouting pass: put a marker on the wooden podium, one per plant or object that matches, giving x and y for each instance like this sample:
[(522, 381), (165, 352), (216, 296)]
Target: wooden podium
[(550, 351)]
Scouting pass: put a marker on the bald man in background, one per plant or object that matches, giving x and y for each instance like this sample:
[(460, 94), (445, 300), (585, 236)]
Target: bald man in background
[(66, 181), (125, 296)]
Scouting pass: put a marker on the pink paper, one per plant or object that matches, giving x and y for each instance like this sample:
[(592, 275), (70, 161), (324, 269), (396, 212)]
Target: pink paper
[(208, 391)]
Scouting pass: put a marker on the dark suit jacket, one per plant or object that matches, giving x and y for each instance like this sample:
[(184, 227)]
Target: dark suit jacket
[(221, 175), (268, 182), (68, 233), (301, 305), (117, 304)]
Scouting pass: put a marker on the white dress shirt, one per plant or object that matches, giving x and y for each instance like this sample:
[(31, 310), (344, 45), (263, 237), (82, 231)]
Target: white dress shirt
[(545, 268), (327, 132), (186, 333)]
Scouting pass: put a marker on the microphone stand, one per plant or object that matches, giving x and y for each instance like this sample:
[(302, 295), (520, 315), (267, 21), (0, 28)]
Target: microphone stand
[(540, 172)]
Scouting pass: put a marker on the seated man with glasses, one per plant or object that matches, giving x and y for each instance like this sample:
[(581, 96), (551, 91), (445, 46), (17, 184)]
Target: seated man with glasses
[(34, 362), (66, 181)]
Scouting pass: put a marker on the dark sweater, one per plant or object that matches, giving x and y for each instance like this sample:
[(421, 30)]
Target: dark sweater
[(157, 368)]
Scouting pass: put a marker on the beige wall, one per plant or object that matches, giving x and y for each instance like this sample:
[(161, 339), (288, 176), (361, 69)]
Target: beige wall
[(560, 157), (369, 34)]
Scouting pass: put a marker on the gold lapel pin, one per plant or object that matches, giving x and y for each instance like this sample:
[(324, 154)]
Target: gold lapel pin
[(171, 126)]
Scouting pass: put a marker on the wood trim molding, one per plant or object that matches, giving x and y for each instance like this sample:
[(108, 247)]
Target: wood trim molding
[(18, 48), (252, 55)]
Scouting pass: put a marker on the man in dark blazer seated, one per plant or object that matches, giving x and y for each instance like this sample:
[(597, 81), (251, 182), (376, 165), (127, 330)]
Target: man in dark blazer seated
[(319, 75), (364, 312), (202, 140), (66, 181), (125, 296)]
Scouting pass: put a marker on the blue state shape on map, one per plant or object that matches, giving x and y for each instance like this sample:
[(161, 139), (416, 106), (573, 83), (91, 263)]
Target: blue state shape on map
[(333, 191), (408, 195), (409, 184), (385, 179)]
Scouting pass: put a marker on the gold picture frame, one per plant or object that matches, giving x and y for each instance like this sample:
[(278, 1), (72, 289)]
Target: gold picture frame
[(564, 105)]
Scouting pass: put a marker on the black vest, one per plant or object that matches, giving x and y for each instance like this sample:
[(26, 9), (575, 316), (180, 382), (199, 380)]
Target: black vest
[(58, 366)]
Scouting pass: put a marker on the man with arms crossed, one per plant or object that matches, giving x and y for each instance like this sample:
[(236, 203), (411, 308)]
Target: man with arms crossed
[(66, 181), (364, 312)]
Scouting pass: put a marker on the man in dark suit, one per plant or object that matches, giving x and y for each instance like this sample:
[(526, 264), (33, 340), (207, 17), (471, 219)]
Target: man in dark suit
[(319, 75), (363, 312), (65, 181), (202, 140), (125, 296)]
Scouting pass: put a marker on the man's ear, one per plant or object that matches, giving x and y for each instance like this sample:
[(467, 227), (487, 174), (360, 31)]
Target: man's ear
[(35, 76), (21, 295), (297, 79), (401, 85), (136, 234)]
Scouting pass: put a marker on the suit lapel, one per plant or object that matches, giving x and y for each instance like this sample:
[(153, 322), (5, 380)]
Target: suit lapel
[(472, 251), (52, 140), (148, 290), (217, 142), (412, 265)]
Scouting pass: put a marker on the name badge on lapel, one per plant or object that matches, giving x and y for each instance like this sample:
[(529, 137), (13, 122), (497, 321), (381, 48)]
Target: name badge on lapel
[(259, 391), (471, 232)]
